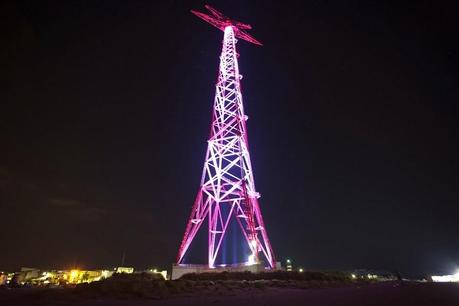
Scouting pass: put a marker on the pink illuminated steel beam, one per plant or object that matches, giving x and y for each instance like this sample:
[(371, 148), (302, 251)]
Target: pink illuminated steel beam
[(227, 190)]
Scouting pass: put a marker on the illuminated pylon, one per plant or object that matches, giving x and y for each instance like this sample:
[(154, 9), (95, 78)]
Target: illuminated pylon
[(227, 178)]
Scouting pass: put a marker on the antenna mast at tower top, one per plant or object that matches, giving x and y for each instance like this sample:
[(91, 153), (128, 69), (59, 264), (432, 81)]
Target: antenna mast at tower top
[(220, 21)]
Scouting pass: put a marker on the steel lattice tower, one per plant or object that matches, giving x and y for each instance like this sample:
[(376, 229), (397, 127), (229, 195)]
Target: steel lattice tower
[(227, 178)]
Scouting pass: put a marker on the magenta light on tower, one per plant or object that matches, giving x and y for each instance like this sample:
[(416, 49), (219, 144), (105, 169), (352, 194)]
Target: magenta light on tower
[(227, 191)]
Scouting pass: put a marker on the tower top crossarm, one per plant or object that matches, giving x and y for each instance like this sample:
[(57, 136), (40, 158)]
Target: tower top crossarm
[(220, 21)]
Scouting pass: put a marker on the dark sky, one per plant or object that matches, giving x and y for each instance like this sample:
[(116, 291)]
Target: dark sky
[(106, 105)]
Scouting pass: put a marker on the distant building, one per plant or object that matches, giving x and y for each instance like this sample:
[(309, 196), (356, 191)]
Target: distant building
[(87, 276), (3, 279), (127, 270), (163, 273), (25, 275), (36, 277)]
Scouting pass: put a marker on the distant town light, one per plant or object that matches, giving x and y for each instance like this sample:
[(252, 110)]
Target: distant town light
[(74, 273), (300, 270), (73, 276), (372, 276), (446, 278), (353, 276)]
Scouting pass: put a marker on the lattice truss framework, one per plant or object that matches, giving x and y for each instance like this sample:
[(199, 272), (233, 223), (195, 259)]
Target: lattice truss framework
[(227, 177)]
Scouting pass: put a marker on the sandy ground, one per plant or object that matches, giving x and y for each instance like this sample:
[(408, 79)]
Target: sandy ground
[(379, 294)]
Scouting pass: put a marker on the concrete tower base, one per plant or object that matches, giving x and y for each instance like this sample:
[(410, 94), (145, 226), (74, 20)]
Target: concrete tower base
[(182, 269)]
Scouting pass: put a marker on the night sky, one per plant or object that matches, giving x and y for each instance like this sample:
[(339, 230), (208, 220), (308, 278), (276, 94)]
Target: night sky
[(106, 106)]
